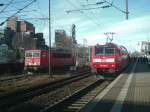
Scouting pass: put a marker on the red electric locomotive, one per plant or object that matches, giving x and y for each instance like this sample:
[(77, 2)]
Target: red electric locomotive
[(108, 58), (39, 59)]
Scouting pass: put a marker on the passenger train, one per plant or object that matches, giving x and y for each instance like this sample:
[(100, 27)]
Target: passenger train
[(108, 58)]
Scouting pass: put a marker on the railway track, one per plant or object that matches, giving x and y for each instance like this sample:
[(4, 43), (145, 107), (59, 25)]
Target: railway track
[(12, 99), (79, 99), (72, 102), (75, 102), (30, 74), (18, 77), (11, 84)]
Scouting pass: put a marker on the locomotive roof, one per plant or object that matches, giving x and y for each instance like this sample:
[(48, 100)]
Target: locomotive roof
[(108, 45), (113, 45)]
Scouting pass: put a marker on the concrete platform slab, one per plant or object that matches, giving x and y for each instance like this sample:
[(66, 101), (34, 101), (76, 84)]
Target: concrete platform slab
[(130, 92)]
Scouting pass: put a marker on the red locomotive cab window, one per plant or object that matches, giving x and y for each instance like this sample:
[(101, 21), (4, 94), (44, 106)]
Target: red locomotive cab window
[(101, 50), (109, 51), (28, 54), (36, 54)]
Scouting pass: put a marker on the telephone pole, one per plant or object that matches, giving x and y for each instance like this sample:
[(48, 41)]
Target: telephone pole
[(49, 71), (127, 9)]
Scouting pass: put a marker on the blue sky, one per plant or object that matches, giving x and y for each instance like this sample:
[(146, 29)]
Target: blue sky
[(92, 24)]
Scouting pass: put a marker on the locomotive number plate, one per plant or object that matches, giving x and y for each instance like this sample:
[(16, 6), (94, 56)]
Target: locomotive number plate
[(103, 60)]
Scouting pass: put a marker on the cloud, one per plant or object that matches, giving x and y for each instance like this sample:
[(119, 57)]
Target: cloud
[(66, 21), (129, 26), (127, 29), (94, 38), (132, 29)]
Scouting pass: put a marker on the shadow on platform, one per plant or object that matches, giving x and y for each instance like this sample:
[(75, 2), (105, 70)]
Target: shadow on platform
[(107, 105)]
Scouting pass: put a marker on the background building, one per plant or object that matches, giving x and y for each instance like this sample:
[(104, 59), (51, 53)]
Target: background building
[(20, 35), (141, 46), (20, 26), (2, 39), (62, 40), (26, 27), (12, 23)]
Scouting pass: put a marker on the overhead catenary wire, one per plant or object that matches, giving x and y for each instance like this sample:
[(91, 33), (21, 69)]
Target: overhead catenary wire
[(112, 4), (94, 14), (98, 3), (38, 18), (126, 10), (9, 17), (83, 13), (18, 2), (42, 15), (19, 11), (85, 9), (6, 6)]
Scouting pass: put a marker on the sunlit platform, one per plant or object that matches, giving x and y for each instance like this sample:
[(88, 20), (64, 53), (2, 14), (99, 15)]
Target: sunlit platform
[(129, 92)]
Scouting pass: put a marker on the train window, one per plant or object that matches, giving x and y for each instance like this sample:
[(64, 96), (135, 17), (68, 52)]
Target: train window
[(36, 54), (109, 51), (104, 50), (99, 50), (123, 50), (58, 55), (28, 54)]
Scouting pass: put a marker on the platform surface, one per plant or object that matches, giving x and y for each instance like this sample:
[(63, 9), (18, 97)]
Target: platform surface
[(130, 92)]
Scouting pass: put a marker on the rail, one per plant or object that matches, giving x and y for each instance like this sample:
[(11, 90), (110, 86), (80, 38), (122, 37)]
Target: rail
[(11, 99), (79, 99)]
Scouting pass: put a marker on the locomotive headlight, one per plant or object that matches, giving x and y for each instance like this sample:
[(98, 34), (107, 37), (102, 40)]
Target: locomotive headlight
[(96, 60), (110, 60), (104, 60)]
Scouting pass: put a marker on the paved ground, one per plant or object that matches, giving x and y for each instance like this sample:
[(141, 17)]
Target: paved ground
[(138, 96), (129, 93)]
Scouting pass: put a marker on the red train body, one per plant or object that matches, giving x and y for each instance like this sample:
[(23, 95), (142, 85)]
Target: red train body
[(108, 58), (39, 59)]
